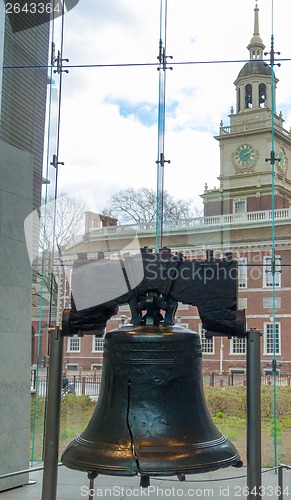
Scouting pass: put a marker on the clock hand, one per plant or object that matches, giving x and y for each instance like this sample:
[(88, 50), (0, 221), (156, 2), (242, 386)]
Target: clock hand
[(248, 152)]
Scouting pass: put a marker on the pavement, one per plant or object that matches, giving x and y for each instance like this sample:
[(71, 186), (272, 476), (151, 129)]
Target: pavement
[(227, 483)]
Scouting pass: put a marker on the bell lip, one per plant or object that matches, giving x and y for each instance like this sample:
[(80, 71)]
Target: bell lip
[(234, 461), (133, 470), (151, 461)]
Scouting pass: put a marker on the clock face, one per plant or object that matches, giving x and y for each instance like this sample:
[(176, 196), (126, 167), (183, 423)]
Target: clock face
[(245, 155), (282, 159)]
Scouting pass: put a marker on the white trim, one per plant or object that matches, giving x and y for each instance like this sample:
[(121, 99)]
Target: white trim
[(242, 303), (282, 289), (182, 307), (263, 316), (242, 273), (268, 302), (238, 371), (124, 308), (266, 324), (240, 341), (239, 200), (267, 275), (97, 340), (72, 369), (69, 349), (203, 339), (82, 357), (187, 317)]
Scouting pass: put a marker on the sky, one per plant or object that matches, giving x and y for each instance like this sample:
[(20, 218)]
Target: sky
[(109, 131)]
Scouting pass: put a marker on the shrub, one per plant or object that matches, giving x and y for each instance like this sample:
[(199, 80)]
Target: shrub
[(238, 400), (76, 405), (283, 405), (217, 400)]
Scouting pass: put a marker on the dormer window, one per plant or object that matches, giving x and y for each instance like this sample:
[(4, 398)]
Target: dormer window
[(248, 96)]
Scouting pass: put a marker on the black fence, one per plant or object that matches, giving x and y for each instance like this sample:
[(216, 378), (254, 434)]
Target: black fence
[(214, 379), (81, 385), (90, 385)]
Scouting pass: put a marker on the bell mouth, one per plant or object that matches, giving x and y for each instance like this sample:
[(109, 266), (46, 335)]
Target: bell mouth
[(167, 460), (151, 417)]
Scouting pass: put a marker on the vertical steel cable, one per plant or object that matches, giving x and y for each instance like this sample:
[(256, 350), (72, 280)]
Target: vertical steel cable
[(56, 165), (161, 125), (273, 259), (42, 261)]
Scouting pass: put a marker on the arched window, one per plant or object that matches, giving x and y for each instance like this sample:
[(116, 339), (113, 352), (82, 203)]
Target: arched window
[(262, 95), (248, 96), (238, 100)]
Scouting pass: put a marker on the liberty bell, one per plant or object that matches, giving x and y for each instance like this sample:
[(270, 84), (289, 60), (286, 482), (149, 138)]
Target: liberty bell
[(151, 416)]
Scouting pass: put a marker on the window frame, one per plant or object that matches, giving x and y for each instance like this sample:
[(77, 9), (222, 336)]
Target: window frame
[(268, 302), (96, 367), (68, 365), (237, 201), (267, 262), (240, 342), (69, 345), (205, 341), (266, 336), (242, 272), (95, 341)]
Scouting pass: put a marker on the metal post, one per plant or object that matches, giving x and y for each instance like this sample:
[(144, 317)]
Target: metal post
[(52, 417), (91, 476), (254, 476), (280, 482)]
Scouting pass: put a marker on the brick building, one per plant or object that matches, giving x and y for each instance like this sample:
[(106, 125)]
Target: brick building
[(239, 216)]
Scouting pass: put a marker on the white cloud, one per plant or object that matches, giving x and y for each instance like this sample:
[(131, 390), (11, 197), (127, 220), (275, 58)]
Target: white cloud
[(104, 151)]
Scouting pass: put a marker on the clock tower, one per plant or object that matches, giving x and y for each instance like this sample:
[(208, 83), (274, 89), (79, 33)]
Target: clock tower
[(245, 175)]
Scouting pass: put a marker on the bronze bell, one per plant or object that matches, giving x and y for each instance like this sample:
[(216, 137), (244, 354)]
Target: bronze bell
[(151, 417)]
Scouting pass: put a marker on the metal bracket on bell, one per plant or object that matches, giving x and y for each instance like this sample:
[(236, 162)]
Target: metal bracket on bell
[(152, 303)]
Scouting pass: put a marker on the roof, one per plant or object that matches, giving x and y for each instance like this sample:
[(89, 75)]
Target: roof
[(255, 67)]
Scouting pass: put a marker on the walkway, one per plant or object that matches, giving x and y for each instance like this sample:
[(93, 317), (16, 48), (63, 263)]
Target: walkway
[(227, 483)]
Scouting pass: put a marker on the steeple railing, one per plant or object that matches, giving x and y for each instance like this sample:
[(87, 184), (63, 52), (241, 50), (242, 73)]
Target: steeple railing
[(248, 126)]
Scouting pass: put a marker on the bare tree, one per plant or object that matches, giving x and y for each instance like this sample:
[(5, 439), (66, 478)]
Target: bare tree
[(139, 206), (61, 221)]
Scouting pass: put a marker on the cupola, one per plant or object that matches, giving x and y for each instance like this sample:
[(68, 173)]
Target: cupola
[(254, 81)]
